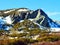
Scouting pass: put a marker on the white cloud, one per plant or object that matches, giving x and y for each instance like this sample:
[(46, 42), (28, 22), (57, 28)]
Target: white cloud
[(53, 13)]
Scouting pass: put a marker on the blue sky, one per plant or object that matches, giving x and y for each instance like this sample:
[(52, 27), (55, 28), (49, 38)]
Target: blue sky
[(51, 7)]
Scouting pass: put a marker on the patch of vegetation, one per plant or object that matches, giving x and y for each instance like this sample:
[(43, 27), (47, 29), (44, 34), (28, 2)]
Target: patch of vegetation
[(26, 32)]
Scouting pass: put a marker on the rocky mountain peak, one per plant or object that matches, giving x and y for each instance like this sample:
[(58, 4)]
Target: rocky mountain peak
[(13, 16)]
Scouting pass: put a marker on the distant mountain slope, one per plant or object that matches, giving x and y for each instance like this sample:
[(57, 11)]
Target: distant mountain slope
[(42, 18), (57, 21), (13, 16)]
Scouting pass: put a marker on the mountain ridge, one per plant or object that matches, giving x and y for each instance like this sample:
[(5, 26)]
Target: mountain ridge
[(13, 16)]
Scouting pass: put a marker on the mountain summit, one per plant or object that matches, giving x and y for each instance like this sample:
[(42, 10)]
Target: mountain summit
[(12, 16)]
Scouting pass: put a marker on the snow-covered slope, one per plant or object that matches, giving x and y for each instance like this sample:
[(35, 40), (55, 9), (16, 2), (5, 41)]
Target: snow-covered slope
[(55, 29), (3, 25), (40, 17), (13, 16)]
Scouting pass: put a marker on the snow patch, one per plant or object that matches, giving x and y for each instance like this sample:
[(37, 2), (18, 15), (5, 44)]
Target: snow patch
[(55, 29), (8, 11), (22, 10), (8, 20)]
